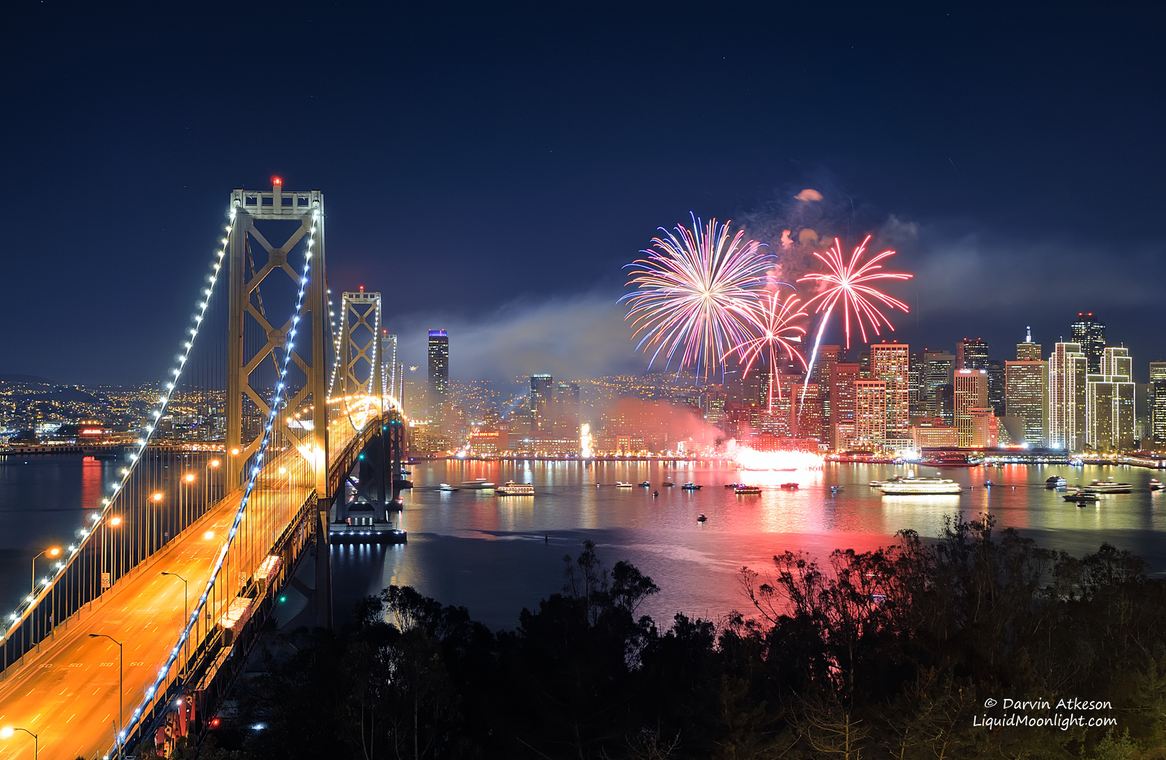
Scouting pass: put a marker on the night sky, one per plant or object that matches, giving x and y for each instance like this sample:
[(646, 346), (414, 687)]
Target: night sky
[(491, 169)]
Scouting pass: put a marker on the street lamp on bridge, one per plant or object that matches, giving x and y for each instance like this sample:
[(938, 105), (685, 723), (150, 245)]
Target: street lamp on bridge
[(52, 552), (120, 688), (9, 731)]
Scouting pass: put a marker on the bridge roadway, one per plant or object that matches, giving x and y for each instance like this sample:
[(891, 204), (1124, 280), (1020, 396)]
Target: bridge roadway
[(67, 693)]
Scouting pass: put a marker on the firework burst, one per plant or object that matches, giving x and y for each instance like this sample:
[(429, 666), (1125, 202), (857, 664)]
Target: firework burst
[(695, 294), (774, 332), (848, 283)]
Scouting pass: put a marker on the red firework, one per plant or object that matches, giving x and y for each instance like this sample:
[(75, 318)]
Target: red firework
[(849, 283), (774, 332)]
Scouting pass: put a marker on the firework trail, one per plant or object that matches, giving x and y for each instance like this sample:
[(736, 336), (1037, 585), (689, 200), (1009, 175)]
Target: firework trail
[(848, 283), (774, 332), (695, 293)]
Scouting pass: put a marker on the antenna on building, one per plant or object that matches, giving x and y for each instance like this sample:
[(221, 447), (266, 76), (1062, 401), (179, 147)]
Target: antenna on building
[(1028, 334)]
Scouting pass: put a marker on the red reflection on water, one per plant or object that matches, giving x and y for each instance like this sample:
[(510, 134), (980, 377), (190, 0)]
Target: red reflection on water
[(91, 483)]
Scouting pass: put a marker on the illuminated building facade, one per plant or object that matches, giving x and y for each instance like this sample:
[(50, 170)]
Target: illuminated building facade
[(1157, 398), (842, 381), (1029, 351), (935, 380), (971, 353), (541, 388), (1110, 407), (1089, 332), (1066, 397), (870, 415), (970, 391), (891, 363), (438, 356), (1024, 397)]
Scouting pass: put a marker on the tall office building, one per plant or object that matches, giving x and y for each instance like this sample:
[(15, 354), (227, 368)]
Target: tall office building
[(891, 363), (870, 414), (971, 353), (842, 381), (828, 356), (438, 354), (1110, 408), (1028, 351), (1089, 332), (1024, 397), (996, 387), (1158, 403), (541, 389), (1066, 396), (970, 391), (935, 377)]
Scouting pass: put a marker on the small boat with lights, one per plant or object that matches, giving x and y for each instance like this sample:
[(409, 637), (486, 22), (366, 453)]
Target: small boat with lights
[(1081, 498), (690, 487), (645, 484), (744, 490), (446, 488), (477, 484), (789, 486), (921, 487), (1055, 482), (621, 484), (510, 488), (1155, 484)]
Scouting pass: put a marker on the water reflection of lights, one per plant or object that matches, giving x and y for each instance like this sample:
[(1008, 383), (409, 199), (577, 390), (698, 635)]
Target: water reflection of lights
[(751, 459)]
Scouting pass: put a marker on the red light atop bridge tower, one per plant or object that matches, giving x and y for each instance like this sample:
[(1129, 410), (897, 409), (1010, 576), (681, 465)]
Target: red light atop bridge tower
[(277, 181)]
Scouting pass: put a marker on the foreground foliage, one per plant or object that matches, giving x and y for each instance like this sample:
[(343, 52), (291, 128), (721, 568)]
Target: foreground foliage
[(887, 654)]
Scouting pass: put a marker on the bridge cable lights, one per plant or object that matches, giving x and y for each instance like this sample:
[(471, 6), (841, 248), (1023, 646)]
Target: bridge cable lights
[(107, 504), (279, 398)]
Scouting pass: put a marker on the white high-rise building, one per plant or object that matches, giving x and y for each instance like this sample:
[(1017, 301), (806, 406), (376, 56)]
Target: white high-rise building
[(1066, 410), (1110, 406)]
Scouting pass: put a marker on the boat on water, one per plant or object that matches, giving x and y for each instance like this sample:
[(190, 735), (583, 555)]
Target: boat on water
[(667, 484), (733, 485), (510, 488), (880, 483), (1155, 484), (744, 490), (921, 487), (835, 489), (1081, 497), (1055, 482), (789, 486), (1107, 487), (645, 484), (446, 487), (701, 519), (621, 484), (690, 487), (477, 484)]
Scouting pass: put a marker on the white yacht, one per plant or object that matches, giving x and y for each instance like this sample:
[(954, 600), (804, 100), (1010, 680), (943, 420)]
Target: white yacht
[(1107, 486), (920, 487), (510, 488)]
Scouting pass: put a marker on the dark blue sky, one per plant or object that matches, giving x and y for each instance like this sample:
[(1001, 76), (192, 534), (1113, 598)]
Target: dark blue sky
[(484, 160)]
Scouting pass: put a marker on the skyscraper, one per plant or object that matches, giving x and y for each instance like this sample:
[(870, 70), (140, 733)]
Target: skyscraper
[(936, 374), (891, 363), (1024, 397), (828, 356), (1066, 389), (970, 388), (1110, 409), (1158, 403), (541, 388), (1089, 332), (971, 353), (842, 381), (438, 354), (1028, 351), (870, 414)]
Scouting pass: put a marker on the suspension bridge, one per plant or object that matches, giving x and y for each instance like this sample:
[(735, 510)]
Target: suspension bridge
[(276, 431)]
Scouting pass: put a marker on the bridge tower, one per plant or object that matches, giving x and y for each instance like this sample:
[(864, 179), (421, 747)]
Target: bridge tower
[(269, 228)]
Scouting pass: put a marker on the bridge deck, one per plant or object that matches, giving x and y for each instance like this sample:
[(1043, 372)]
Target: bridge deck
[(68, 691)]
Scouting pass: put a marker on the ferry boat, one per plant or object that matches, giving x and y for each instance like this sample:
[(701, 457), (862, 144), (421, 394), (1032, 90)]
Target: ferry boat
[(621, 484), (446, 487), (743, 490), (477, 484), (921, 487), (1055, 482), (1107, 487), (877, 484), (690, 487), (510, 488)]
